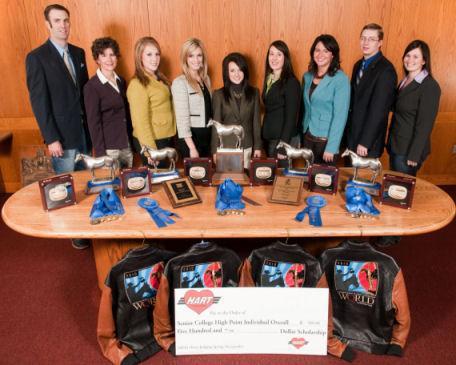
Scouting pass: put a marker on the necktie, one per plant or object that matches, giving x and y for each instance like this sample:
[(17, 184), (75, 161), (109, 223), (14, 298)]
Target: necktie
[(360, 73), (66, 59)]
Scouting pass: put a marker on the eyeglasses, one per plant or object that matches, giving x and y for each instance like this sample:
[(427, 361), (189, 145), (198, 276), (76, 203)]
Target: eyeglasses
[(369, 39)]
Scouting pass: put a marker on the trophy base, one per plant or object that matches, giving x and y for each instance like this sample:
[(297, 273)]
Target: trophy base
[(97, 185), (293, 172), (238, 177), (159, 177), (369, 187), (230, 161)]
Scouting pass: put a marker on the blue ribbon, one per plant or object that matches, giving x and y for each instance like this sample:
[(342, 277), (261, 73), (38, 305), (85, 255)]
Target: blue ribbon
[(107, 205), (229, 195), (314, 203), (359, 202), (160, 216)]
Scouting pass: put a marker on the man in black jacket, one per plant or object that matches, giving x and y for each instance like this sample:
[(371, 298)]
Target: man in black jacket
[(373, 85), (56, 73)]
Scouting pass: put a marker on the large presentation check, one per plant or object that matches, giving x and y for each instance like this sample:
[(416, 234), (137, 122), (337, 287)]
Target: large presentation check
[(251, 321)]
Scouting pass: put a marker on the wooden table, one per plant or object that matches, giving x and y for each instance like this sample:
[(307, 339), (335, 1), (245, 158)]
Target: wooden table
[(432, 209)]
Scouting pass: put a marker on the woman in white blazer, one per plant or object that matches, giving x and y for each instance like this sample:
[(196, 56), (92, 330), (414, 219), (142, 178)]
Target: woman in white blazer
[(192, 101)]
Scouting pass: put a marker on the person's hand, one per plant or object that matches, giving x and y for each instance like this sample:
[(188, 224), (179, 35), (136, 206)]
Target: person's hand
[(150, 161), (328, 157), (361, 151), (257, 153), (281, 157), (412, 163), (55, 149), (214, 158), (194, 153)]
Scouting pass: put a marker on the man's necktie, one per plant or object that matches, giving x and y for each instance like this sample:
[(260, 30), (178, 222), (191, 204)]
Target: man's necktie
[(360, 73), (66, 59)]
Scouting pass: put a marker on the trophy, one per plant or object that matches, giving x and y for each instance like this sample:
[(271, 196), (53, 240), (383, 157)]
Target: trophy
[(160, 175), (295, 153), (370, 186), (96, 184), (230, 161)]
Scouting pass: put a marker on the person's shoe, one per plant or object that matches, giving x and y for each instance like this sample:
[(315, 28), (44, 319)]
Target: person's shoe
[(387, 241), (80, 243)]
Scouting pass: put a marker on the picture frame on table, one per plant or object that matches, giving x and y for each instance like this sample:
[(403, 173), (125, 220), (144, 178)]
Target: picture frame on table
[(57, 192), (323, 179), (181, 192), (135, 182), (199, 170), (397, 191), (262, 171)]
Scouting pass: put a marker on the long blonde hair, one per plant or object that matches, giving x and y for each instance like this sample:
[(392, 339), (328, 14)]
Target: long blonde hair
[(188, 47), (140, 72)]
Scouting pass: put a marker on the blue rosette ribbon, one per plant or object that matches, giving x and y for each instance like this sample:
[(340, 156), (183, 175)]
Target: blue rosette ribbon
[(106, 207), (229, 197), (314, 203), (358, 202), (160, 216)]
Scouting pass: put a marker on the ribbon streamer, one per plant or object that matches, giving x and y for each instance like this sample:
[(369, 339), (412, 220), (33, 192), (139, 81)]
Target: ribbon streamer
[(160, 216), (229, 195), (314, 203), (106, 207)]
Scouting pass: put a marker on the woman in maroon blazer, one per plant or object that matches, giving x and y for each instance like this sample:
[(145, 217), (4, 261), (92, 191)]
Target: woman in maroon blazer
[(106, 105)]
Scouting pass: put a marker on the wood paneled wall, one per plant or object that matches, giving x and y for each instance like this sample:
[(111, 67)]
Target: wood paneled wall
[(226, 26)]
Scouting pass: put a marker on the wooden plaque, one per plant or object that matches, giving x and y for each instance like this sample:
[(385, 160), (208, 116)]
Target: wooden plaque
[(199, 170), (181, 192), (323, 179), (397, 191), (57, 192), (135, 182), (262, 171), (287, 190)]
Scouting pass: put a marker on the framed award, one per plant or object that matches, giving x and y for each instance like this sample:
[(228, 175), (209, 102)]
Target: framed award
[(181, 192), (57, 192), (287, 190), (323, 179), (199, 170), (397, 191), (262, 171), (135, 182)]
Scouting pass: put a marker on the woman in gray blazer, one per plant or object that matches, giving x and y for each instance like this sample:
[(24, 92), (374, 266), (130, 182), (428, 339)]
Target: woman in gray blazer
[(415, 110), (192, 101), (237, 102)]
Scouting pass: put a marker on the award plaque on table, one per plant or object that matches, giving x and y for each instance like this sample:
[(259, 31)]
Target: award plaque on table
[(181, 192), (57, 192), (262, 171), (397, 191), (199, 170), (323, 179), (135, 182), (287, 190)]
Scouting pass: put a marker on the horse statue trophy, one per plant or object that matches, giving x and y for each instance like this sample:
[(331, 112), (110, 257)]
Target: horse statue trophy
[(96, 184), (370, 186), (229, 160), (154, 157), (295, 153)]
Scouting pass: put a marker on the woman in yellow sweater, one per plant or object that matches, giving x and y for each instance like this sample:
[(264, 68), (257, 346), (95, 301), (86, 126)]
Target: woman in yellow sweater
[(150, 101)]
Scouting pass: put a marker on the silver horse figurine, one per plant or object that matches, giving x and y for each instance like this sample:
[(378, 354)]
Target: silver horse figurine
[(292, 153), (93, 163), (226, 130), (158, 155), (359, 162)]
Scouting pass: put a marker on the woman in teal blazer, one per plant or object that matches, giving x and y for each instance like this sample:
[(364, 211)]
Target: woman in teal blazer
[(326, 95)]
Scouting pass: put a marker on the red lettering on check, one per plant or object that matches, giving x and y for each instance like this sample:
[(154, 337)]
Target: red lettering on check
[(298, 342), (198, 301)]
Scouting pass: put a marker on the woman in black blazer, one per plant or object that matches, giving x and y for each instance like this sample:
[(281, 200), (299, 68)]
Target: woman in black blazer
[(281, 98), (237, 102), (416, 107), (106, 105)]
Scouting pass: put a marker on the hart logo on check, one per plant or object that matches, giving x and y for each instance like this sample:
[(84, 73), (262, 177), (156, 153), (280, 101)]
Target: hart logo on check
[(198, 301), (298, 342)]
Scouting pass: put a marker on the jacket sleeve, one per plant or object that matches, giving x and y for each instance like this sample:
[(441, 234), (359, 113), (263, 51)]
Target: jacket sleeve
[(217, 111), (163, 327), (426, 114), (112, 349), (381, 102), (246, 279), (138, 99), (292, 93), (256, 127), (401, 327), (181, 107), (40, 99), (335, 346), (341, 104), (93, 112)]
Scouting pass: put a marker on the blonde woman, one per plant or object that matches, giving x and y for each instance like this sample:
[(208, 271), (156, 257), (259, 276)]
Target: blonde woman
[(192, 101), (149, 96)]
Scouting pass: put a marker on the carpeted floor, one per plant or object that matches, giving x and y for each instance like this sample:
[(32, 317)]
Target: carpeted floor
[(49, 303)]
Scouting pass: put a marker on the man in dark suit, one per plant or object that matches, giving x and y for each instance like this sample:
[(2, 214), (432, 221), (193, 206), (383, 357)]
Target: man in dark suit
[(373, 85), (56, 74)]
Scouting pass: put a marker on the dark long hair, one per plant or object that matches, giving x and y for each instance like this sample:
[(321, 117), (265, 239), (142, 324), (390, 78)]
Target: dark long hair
[(241, 62), (330, 43), (287, 70), (422, 45)]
